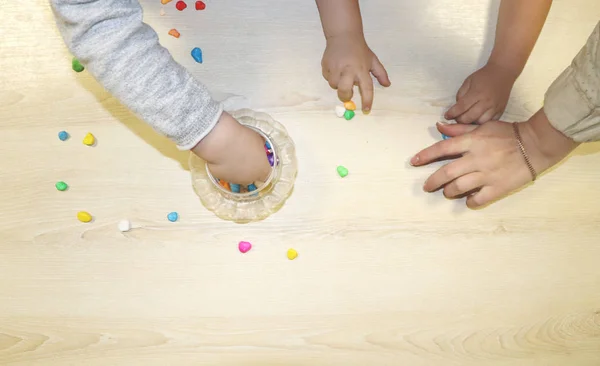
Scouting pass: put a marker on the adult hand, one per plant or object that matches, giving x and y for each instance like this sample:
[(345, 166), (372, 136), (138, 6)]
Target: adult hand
[(483, 95), (348, 61), (490, 164), (234, 153)]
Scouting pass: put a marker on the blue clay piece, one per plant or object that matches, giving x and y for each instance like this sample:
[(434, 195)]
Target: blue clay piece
[(251, 187), (268, 145), (197, 55), (445, 137), (173, 216), (235, 188), (63, 135)]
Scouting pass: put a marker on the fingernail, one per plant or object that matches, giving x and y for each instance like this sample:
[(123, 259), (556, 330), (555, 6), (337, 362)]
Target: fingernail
[(414, 160), (442, 123), (366, 110)]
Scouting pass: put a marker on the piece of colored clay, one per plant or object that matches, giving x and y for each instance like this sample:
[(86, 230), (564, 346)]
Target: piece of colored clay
[(165, 2), (235, 188), (197, 55), (342, 171), (292, 254), (173, 32), (271, 159), (225, 185), (61, 186), (251, 187), (89, 140), (84, 216), (180, 5), (244, 246), (172, 216), (162, 12), (445, 137), (350, 105), (124, 225), (339, 111), (348, 115), (76, 65), (63, 135), (200, 5), (268, 145)]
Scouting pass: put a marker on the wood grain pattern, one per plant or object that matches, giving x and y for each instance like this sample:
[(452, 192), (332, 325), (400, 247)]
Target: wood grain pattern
[(386, 275)]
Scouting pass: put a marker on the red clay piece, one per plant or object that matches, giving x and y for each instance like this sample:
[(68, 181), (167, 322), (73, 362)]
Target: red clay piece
[(180, 5), (200, 5)]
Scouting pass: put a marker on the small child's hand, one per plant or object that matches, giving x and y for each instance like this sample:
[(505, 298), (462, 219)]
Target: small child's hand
[(234, 153), (483, 96), (348, 61)]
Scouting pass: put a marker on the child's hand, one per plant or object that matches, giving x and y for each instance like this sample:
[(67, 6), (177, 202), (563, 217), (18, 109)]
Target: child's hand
[(348, 61), (483, 96), (234, 153), (490, 163)]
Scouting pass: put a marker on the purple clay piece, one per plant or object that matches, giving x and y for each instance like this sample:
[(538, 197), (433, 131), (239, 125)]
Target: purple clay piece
[(271, 160)]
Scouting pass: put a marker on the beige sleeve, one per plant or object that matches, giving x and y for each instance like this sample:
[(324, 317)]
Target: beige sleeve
[(572, 103)]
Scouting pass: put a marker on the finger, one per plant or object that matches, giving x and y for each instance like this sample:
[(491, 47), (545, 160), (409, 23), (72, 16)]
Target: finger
[(461, 106), (473, 113), (448, 173), (482, 198), (345, 85), (333, 79), (445, 148), (486, 116), (380, 73), (463, 185), (497, 116), (365, 86), (464, 88), (454, 129)]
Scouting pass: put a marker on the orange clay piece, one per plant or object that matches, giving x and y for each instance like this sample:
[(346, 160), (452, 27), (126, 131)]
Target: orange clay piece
[(173, 32), (225, 185), (164, 2), (350, 106)]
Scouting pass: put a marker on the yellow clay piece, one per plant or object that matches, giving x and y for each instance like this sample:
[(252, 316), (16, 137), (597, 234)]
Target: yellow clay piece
[(350, 106), (164, 2), (292, 254), (89, 139), (84, 216)]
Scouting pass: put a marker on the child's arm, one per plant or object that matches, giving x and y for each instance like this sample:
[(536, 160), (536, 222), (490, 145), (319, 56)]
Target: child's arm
[(124, 55), (484, 95), (348, 60)]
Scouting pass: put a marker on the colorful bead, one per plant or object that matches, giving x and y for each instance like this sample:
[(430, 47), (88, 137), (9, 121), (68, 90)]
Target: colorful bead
[(173, 32), (63, 135), (244, 246), (89, 140), (197, 55), (348, 115), (61, 186), (339, 111), (292, 254), (235, 188), (342, 171), (251, 187), (124, 225), (76, 65), (84, 216), (180, 5), (173, 216), (350, 105), (200, 5)]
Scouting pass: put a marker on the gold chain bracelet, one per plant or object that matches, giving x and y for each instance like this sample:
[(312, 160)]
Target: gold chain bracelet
[(523, 152)]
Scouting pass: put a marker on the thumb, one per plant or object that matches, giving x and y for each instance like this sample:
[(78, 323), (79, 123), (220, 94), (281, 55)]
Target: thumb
[(379, 72), (455, 129)]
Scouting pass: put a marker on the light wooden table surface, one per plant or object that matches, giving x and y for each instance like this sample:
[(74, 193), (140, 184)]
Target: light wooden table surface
[(387, 275)]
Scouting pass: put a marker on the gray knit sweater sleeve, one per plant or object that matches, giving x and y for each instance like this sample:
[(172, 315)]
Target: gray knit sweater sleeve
[(123, 54)]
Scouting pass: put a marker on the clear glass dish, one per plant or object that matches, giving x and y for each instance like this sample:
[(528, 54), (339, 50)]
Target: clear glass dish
[(269, 196)]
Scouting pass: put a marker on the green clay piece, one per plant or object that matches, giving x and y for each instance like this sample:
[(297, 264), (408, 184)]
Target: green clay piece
[(62, 186), (348, 115), (77, 66), (342, 171)]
